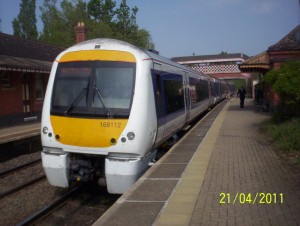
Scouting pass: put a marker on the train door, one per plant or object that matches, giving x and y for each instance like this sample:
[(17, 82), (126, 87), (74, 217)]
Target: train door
[(159, 100), (187, 96), (211, 92), (174, 101)]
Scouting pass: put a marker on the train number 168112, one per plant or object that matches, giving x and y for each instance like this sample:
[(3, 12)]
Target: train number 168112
[(110, 124)]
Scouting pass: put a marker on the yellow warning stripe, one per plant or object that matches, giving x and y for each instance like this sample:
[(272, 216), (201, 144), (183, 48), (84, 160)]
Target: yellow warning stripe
[(104, 55)]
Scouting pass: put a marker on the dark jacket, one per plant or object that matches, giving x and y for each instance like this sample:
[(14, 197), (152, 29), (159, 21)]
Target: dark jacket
[(242, 93)]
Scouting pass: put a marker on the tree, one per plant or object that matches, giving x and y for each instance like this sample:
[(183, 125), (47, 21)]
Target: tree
[(59, 25), (127, 29), (25, 24), (102, 10), (54, 26), (286, 82), (126, 20), (100, 17), (143, 39), (73, 12)]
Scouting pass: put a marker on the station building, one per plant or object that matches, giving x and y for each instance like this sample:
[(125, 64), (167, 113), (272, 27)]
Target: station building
[(24, 72), (286, 49), (221, 66), (25, 67)]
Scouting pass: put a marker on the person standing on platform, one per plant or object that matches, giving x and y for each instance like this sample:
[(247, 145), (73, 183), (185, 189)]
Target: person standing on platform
[(242, 95)]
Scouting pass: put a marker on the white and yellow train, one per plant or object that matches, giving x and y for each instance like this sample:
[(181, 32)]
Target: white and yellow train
[(109, 105)]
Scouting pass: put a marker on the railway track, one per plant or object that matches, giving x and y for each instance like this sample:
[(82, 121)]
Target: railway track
[(11, 174), (22, 186), (22, 166), (50, 207), (81, 205)]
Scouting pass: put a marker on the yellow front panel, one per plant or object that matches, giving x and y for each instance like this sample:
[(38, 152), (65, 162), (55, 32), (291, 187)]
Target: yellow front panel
[(87, 132), (105, 55)]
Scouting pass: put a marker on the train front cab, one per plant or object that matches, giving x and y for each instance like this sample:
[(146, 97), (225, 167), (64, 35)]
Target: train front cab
[(92, 121)]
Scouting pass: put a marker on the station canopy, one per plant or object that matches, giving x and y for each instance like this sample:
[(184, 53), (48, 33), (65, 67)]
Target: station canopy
[(24, 55), (258, 63)]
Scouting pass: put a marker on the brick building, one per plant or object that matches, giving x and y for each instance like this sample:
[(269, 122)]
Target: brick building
[(287, 49), (219, 66), (24, 71)]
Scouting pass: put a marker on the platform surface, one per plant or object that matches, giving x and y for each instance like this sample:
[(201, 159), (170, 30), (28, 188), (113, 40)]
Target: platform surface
[(19, 132), (229, 175), (240, 178)]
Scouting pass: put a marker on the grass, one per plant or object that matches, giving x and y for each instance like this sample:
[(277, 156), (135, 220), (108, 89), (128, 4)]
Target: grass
[(286, 137)]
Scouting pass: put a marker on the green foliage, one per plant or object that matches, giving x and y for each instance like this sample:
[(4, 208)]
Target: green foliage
[(25, 24), (98, 30), (59, 24), (73, 12), (286, 82), (126, 19), (239, 83), (102, 11), (53, 25), (101, 17), (286, 135), (143, 39)]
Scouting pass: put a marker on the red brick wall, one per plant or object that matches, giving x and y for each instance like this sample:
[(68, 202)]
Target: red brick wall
[(37, 105), (11, 98)]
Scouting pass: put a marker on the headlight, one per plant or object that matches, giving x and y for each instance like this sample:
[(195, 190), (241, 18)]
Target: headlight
[(130, 135)]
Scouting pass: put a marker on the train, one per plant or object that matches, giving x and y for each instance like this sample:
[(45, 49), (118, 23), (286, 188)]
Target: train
[(109, 105)]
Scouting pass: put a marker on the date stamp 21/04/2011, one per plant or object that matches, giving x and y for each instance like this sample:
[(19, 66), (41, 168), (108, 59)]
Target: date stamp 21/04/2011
[(251, 198)]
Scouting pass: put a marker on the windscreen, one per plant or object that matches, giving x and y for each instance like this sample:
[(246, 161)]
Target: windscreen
[(95, 88)]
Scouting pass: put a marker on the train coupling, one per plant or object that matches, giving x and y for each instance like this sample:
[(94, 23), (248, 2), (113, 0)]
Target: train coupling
[(82, 171)]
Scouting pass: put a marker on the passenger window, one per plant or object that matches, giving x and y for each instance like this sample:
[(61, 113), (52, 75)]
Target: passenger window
[(174, 95), (199, 90)]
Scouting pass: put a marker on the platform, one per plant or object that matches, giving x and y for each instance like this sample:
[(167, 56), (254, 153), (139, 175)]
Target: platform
[(228, 175), (19, 132)]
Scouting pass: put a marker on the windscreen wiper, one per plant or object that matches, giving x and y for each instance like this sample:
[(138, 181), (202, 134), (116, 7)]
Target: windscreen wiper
[(108, 112), (76, 101)]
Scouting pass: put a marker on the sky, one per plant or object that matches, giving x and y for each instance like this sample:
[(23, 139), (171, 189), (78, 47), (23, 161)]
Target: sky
[(201, 27)]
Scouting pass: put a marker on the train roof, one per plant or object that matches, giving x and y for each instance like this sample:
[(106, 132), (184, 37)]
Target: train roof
[(114, 45), (162, 59)]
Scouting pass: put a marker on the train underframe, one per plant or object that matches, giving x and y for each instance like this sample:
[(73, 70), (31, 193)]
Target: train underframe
[(118, 171)]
